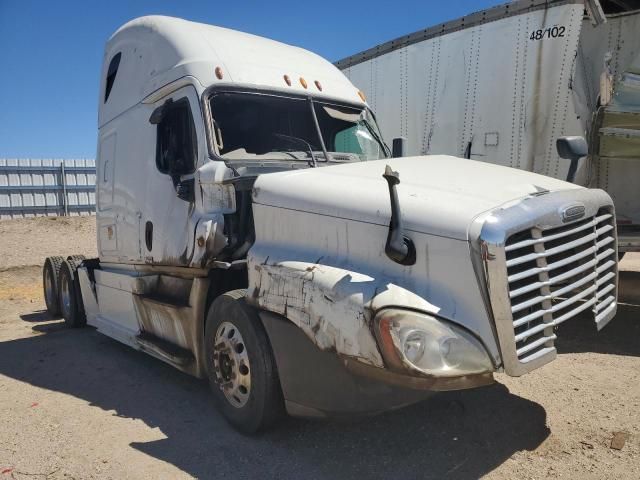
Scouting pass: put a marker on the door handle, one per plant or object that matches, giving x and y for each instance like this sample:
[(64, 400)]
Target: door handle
[(148, 235)]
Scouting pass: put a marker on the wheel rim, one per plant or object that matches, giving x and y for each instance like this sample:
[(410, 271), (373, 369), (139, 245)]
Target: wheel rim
[(48, 288), (65, 296), (231, 365)]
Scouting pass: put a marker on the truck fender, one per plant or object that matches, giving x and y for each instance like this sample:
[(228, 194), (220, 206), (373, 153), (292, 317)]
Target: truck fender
[(333, 306)]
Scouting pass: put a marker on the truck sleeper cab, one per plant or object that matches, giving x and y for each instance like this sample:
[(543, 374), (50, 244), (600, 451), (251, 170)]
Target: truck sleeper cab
[(253, 230)]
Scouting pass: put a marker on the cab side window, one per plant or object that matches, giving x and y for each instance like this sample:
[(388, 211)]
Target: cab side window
[(176, 146), (111, 75)]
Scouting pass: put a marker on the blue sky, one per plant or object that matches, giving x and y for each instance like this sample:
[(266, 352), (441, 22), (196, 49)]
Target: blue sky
[(51, 52)]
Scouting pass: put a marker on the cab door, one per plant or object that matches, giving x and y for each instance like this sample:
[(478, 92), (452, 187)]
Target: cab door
[(168, 225)]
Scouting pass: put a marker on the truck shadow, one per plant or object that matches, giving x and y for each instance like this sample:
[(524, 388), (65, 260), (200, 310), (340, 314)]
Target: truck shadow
[(619, 337), (629, 287), (454, 435)]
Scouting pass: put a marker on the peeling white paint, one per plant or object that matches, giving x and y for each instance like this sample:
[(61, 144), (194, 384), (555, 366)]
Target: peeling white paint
[(328, 304)]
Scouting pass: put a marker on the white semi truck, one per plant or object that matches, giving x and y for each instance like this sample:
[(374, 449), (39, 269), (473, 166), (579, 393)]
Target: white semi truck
[(502, 85), (254, 230)]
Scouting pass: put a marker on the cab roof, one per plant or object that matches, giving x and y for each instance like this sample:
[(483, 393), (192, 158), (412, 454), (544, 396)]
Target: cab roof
[(150, 52)]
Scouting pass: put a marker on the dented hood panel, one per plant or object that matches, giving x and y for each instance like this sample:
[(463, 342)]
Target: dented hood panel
[(438, 194)]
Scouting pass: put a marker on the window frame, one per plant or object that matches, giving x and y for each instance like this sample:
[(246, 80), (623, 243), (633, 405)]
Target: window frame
[(208, 117), (191, 130)]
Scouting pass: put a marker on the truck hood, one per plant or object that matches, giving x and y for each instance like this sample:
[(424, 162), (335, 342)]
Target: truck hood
[(438, 194)]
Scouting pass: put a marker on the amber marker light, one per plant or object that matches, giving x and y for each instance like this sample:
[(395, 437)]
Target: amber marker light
[(361, 95), (303, 82), (219, 73), (318, 86), (287, 80)]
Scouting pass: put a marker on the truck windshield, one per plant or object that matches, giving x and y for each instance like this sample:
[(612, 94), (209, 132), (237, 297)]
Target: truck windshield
[(270, 127)]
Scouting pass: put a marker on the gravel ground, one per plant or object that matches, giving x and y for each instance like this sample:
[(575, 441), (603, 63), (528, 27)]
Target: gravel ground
[(76, 404)]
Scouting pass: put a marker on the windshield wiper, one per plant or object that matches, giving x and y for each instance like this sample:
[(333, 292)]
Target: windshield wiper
[(377, 138), (315, 121), (291, 138)]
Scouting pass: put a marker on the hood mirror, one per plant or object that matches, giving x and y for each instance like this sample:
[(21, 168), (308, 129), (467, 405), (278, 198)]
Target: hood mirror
[(399, 247), (572, 148)]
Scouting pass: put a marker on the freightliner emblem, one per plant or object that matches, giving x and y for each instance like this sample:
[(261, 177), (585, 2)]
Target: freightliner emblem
[(572, 213)]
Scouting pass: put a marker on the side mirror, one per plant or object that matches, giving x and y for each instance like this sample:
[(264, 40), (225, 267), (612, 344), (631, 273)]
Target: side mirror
[(572, 148), (399, 147)]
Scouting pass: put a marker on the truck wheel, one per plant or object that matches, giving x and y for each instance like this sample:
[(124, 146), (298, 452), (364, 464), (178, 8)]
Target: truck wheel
[(50, 275), (75, 260), (70, 297), (242, 371)]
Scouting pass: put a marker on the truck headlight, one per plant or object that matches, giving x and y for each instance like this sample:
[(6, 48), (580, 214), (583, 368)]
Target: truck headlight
[(418, 342)]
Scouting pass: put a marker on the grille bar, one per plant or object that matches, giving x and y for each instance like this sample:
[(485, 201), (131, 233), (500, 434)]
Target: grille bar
[(604, 316), (555, 273), (553, 251), (603, 292), (605, 302), (530, 346), (557, 321), (551, 266), (526, 243), (562, 291), (553, 280), (537, 354), (558, 306)]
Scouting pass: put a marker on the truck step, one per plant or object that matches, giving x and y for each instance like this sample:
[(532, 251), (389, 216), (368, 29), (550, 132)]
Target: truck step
[(164, 349)]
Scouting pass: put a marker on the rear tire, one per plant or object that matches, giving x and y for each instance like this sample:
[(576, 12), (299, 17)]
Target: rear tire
[(50, 276), (241, 368), (70, 297)]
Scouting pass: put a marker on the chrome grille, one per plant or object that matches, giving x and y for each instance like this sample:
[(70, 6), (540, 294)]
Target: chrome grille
[(554, 274)]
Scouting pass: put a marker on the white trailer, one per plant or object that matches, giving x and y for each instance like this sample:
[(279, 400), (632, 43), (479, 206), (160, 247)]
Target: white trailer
[(364, 285), (502, 85)]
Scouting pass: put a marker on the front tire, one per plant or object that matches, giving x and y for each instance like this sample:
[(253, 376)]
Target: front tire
[(242, 371)]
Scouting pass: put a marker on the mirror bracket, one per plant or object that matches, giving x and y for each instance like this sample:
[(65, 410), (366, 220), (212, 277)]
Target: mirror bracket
[(185, 189), (399, 147)]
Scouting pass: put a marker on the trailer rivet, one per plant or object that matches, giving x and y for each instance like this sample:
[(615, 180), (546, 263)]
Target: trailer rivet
[(201, 241)]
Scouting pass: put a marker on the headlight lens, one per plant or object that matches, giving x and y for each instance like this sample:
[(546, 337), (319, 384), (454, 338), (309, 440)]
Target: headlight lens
[(416, 341)]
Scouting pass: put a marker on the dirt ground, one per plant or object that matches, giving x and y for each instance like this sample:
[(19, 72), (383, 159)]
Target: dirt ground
[(28, 241), (76, 404)]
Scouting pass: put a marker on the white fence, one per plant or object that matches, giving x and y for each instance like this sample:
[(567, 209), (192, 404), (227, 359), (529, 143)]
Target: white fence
[(32, 187)]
